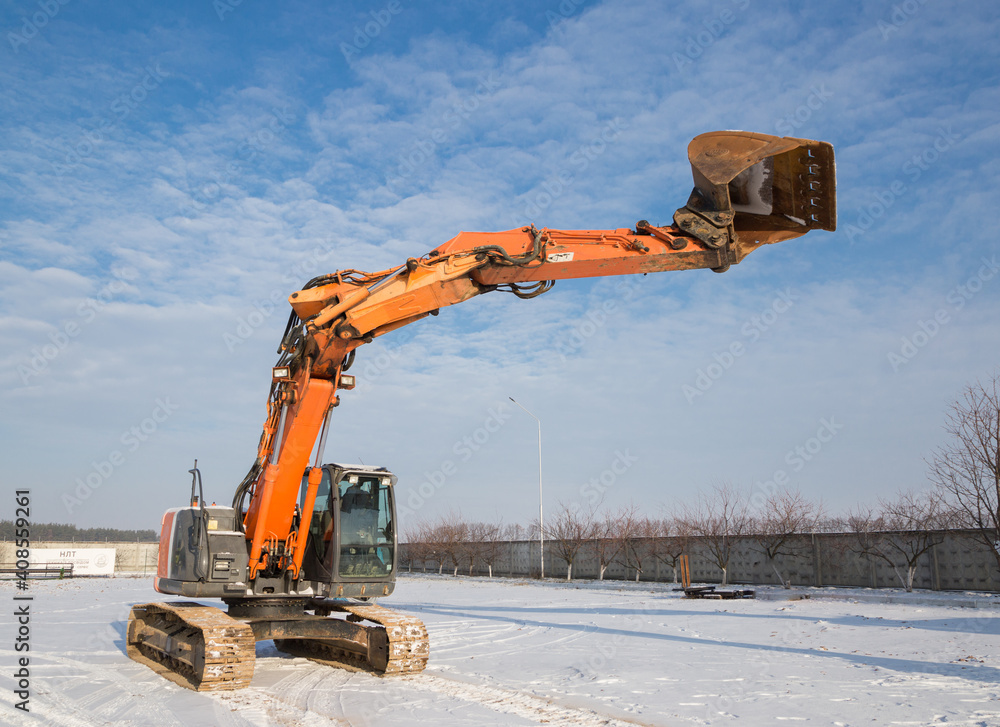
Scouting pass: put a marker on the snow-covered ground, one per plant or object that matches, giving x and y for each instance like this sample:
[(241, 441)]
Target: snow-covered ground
[(509, 652)]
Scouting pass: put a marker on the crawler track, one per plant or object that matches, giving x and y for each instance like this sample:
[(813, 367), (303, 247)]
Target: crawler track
[(196, 646), (205, 649), (396, 644)]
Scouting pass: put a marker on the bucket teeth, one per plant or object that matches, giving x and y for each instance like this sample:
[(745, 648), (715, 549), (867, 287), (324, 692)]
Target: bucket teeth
[(754, 189)]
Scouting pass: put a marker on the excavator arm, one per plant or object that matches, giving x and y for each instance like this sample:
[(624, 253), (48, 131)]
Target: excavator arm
[(749, 190)]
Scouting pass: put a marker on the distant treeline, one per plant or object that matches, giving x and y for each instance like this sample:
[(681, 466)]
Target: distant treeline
[(60, 532)]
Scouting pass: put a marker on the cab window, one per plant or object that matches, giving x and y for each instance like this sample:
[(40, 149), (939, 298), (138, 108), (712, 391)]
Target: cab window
[(365, 526)]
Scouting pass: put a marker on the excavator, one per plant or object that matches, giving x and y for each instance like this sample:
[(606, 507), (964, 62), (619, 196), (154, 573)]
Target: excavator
[(306, 548)]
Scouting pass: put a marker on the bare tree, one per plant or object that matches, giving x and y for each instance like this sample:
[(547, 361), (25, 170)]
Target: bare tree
[(515, 531), (632, 532), (671, 538), (455, 539), (447, 539), (569, 531), (785, 514), (486, 542), (606, 543), (915, 521), (512, 534), (898, 532), (967, 469), (831, 524), (413, 548), (425, 540), (719, 518), (868, 534), (470, 545)]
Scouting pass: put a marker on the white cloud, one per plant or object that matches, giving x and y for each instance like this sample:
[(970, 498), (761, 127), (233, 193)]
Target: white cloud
[(231, 185)]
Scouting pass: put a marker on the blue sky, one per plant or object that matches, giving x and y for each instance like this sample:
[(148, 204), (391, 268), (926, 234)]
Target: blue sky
[(169, 175)]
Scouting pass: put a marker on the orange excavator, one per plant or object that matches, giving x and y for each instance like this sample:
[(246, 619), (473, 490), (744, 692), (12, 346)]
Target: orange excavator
[(306, 547)]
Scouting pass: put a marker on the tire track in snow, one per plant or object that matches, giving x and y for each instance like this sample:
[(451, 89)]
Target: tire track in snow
[(294, 701), (111, 703), (502, 640), (520, 704), (73, 693)]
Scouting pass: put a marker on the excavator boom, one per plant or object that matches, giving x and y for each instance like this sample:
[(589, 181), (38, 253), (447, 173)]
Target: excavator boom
[(749, 190)]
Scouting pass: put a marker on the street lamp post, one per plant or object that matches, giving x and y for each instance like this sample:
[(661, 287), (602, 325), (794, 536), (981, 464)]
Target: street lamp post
[(541, 520)]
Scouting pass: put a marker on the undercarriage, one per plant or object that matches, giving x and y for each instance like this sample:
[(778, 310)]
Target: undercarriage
[(207, 649)]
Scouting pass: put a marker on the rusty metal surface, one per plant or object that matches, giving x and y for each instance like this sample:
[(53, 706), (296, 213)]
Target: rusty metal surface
[(394, 643), (755, 189), (409, 645), (195, 646), (719, 156), (308, 627), (710, 593)]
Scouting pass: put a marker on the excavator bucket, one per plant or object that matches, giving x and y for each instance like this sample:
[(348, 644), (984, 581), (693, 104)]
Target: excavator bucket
[(755, 189)]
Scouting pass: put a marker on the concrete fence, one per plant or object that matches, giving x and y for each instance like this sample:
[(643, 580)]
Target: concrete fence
[(129, 557), (958, 561)]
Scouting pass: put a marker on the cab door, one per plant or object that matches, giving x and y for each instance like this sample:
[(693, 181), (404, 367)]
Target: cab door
[(321, 541), (367, 532)]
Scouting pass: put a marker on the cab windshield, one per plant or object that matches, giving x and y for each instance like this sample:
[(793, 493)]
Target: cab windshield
[(366, 539)]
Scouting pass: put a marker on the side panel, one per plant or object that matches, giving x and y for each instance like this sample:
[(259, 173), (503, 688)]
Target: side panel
[(166, 538), (200, 548)]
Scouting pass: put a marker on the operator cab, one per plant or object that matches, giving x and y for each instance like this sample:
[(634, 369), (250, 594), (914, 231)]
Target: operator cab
[(352, 537), (350, 546)]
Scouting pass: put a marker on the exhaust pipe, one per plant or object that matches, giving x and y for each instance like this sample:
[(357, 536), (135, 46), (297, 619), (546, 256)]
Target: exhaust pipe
[(755, 189)]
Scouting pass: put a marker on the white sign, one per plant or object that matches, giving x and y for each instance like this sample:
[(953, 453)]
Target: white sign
[(85, 561)]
